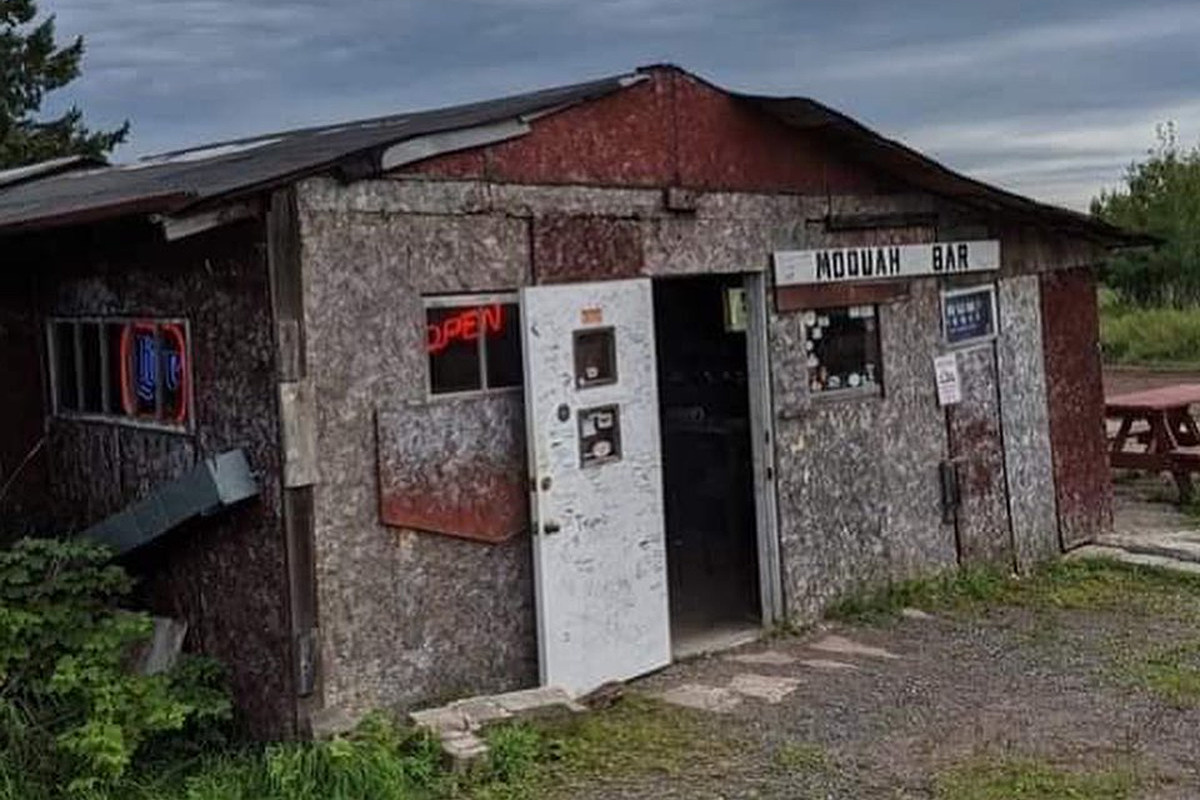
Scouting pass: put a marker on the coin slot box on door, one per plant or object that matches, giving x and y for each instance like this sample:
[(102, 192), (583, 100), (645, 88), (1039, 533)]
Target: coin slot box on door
[(599, 435), (595, 357)]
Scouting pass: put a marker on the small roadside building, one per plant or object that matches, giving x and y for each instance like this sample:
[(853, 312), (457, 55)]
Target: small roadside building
[(551, 388)]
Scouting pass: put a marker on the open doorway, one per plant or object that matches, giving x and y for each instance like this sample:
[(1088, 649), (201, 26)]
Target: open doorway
[(708, 477)]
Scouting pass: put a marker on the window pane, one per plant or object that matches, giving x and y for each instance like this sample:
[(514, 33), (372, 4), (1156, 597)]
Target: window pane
[(144, 375), (843, 348), (502, 344), (112, 341), (64, 367), (453, 347), (89, 368), (174, 373)]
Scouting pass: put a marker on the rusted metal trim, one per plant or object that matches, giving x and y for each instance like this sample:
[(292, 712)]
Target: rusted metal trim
[(797, 298)]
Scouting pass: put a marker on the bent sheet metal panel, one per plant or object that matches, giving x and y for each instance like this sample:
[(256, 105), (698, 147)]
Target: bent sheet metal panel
[(455, 467), (1025, 414)]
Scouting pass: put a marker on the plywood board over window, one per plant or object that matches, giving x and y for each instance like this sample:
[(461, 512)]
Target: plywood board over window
[(456, 468)]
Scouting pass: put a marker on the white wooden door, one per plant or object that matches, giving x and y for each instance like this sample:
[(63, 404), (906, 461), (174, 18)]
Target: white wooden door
[(596, 470)]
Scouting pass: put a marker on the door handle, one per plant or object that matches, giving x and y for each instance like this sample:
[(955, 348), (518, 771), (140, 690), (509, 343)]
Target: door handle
[(551, 528)]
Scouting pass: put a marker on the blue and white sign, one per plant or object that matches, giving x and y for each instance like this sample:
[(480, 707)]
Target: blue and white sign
[(969, 315)]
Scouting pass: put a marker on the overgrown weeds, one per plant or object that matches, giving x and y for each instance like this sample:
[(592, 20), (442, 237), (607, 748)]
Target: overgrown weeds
[(73, 711)]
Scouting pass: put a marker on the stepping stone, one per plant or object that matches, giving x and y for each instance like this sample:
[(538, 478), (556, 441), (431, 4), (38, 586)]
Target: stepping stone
[(768, 657), (846, 647), (824, 663), (764, 687), (704, 698)]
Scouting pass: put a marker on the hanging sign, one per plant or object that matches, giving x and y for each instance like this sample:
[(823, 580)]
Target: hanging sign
[(949, 383), (885, 262)]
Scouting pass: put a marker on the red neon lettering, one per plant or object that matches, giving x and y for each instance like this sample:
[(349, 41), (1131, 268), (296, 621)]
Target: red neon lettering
[(465, 326), (493, 318)]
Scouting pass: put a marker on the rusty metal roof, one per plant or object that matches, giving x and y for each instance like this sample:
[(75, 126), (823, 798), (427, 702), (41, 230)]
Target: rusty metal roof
[(178, 180), (895, 158), (46, 196)]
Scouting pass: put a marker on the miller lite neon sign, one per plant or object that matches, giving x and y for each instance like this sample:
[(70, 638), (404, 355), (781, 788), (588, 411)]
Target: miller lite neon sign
[(153, 367)]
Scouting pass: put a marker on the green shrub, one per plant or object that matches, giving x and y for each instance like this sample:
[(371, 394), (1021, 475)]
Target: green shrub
[(1149, 335), (73, 713)]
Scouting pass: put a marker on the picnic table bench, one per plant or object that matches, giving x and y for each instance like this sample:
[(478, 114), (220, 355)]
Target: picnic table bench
[(1155, 431)]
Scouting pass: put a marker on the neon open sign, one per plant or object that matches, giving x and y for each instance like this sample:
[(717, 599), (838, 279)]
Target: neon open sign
[(466, 326)]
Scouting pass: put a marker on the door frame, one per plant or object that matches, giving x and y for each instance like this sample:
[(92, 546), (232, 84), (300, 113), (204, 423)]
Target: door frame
[(762, 448)]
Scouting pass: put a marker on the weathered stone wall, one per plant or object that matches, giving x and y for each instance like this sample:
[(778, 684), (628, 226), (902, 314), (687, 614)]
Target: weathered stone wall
[(406, 615), (224, 575)]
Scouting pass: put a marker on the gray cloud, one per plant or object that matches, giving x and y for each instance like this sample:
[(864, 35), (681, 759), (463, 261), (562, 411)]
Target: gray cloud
[(1050, 99)]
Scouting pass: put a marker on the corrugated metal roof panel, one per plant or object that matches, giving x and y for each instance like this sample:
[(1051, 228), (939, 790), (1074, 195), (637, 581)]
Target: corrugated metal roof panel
[(174, 181), (177, 180), (11, 177)]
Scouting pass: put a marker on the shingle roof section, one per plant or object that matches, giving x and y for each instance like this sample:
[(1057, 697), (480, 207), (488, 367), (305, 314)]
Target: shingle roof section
[(175, 181)]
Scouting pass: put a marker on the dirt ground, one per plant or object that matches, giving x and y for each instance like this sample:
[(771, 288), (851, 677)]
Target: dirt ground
[(1012, 683), (901, 704)]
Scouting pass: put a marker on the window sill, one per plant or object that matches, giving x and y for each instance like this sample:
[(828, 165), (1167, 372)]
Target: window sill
[(139, 424), (852, 393)]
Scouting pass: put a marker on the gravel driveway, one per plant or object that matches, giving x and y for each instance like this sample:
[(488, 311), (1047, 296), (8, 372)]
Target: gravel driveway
[(1033, 684)]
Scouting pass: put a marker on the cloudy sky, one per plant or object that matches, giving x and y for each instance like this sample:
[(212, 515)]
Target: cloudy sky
[(1049, 98)]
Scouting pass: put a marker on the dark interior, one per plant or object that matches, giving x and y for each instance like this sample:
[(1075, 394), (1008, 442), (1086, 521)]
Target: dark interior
[(712, 552)]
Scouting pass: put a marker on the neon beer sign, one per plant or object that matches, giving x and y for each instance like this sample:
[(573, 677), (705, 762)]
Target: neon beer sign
[(465, 326), (152, 353)]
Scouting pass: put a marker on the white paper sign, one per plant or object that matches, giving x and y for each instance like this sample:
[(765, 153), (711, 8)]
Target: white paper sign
[(885, 262), (949, 385)]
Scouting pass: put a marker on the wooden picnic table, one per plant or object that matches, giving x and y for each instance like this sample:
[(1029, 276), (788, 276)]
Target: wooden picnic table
[(1155, 431)]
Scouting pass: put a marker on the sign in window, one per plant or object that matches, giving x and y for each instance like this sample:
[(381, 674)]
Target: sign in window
[(121, 370), (473, 344)]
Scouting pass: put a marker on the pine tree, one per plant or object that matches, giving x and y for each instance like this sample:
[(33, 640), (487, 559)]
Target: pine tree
[(32, 65)]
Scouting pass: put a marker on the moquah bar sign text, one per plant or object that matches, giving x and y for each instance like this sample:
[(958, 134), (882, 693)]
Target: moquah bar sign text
[(871, 263)]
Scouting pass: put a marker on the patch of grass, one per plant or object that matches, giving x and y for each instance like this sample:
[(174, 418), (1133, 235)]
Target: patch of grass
[(1075, 584), (949, 590), (634, 737), (1172, 673), (1033, 780), (637, 735), (1152, 336), (801, 757)]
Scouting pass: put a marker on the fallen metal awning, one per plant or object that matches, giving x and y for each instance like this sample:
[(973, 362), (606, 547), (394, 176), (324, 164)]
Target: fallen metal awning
[(213, 485)]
